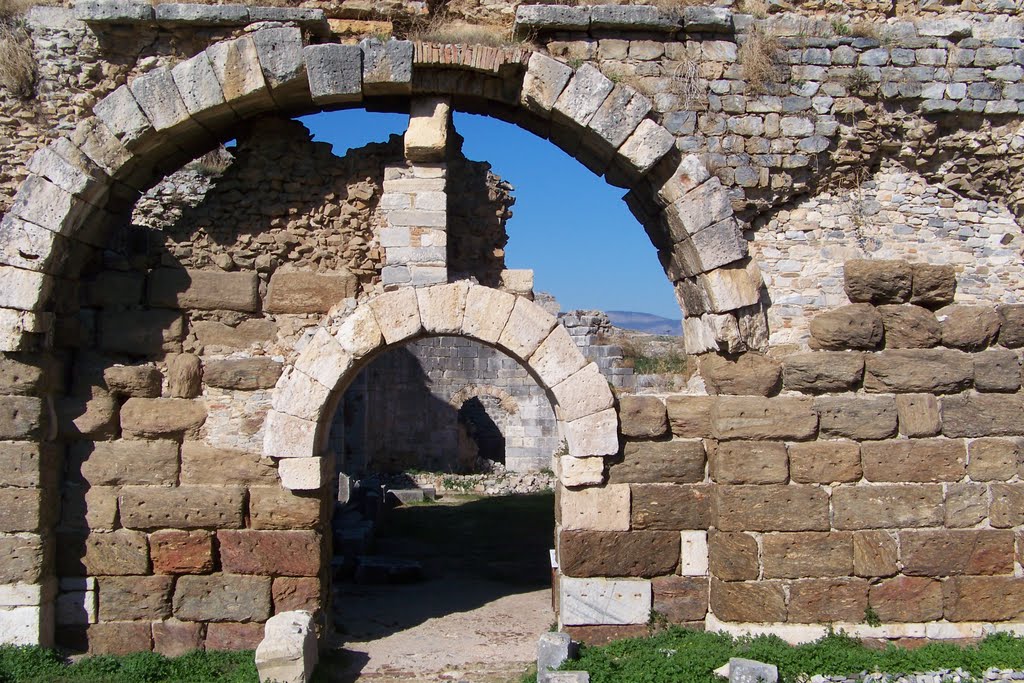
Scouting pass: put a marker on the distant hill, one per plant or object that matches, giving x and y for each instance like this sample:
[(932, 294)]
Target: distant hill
[(645, 322)]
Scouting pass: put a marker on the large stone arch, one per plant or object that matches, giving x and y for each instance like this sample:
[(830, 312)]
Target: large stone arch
[(308, 391), (80, 183)]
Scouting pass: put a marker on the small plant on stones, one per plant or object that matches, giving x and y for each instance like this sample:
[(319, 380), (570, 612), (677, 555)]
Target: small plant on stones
[(840, 27), (858, 81), (757, 58), (871, 617)]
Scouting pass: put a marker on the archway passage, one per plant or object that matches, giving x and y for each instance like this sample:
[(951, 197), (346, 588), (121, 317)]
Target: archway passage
[(80, 183)]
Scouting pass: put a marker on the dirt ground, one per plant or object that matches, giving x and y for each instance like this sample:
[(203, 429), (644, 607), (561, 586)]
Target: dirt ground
[(475, 617)]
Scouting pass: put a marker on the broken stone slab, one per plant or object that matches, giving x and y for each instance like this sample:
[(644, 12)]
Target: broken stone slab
[(739, 670), (552, 17), (113, 11), (288, 652), (387, 66), (553, 649), (182, 14), (406, 496), (633, 18)]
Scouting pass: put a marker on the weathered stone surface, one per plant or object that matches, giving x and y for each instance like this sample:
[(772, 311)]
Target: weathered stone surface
[(203, 464), (21, 417), (34, 465), (594, 434), (203, 289), (646, 146), (181, 552), (17, 377), (583, 95), (602, 601), (669, 462), (749, 462), (304, 474), (88, 508), (140, 333), (23, 558), (557, 357), (302, 292), (996, 370), (184, 375), (771, 508), (983, 598), (397, 314), (758, 601), (933, 285), (93, 417), (233, 636), (940, 371), (643, 417), (749, 375), (173, 638), (222, 597), (855, 417), (387, 66), (245, 374), (619, 115), (920, 460), (142, 381), (887, 506), (874, 553), (966, 504), (822, 372), (574, 471), (277, 553), (808, 554), (671, 506), (949, 553), (543, 82), (113, 463), (272, 507), (114, 638), (528, 325), (1007, 505), (134, 597), (442, 307), (23, 510), (982, 415), (877, 281), (858, 326), (426, 138), (814, 601), (690, 416), (992, 459), (117, 553), (155, 417), (763, 418), (335, 72), (595, 509), (909, 327), (1011, 325), (584, 393), (824, 462), (289, 650), (907, 598), (680, 598), (487, 311), (732, 556), (918, 415), (183, 507), (296, 592), (970, 328), (618, 553), (214, 334)]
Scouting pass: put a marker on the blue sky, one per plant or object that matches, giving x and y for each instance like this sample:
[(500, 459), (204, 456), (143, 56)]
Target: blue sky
[(569, 226)]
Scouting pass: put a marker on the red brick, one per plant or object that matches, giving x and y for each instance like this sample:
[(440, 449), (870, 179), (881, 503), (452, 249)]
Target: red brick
[(907, 598), (828, 600), (953, 552), (270, 553), (181, 552)]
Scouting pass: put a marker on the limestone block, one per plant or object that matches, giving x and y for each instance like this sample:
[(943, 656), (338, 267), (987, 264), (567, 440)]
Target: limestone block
[(280, 55), (709, 19), (426, 139), (29, 625), (643, 417), (300, 395), (296, 592), (360, 334), (203, 289), (856, 417), (387, 66), (552, 650), (101, 147), (932, 285), (583, 95), (45, 204), (93, 417), (89, 507), (312, 20), (1011, 325), (159, 99), (181, 552), (182, 507), (669, 462), (584, 393), (243, 335), (758, 418), (916, 460), (75, 608), (233, 636), (518, 281), (874, 553), (981, 415), (180, 14), (301, 292), (23, 378), (21, 417), (698, 209), (646, 146), (553, 17), (749, 374), (887, 506), (543, 82), (113, 463), (688, 175), (113, 11), (573, 471), (28, 464), (671, 507), (133, 380), (995, 459), (276, 553), (288, 653), (286, 436), (203, 464), (155, 417), (139, 332), (528, 325), (324, 359), (274, 507), (748, 462), (237, 67), (878, 281), (244, 374), (335, 73), (950, 552), (918, 414), (75, 176), (24, 289), (303, 474), (937, 371), (24, 510), (732, 286), (487, 311), (184, 375), (632, 18), (593, 435), (858, 326), (718, 245), (698, 336), (603, 601), (997, 370), (442, 307), (694, 556), (222, 597), (970, 328), (909, 327), (733, 556), (556, 358), (201, 92), (822, 372), (124, 117), (397, 314), (115, 553), (772, 507), (619, 115), (596, 509)]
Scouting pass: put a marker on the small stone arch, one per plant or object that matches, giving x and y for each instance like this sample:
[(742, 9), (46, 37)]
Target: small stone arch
[(304, 399), (506, 400), (79, 183)]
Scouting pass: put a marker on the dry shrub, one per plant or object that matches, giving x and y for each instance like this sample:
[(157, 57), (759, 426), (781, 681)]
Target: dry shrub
[(755, 8), (214, 163), (443, 29), (686, 74), (17, 65), (757, 58)]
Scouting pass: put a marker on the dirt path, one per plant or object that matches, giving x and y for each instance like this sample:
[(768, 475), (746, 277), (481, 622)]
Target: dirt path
[(477, 615)]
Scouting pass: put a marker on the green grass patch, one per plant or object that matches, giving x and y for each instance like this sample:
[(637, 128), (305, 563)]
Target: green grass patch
[(677, 655), (41, 665)]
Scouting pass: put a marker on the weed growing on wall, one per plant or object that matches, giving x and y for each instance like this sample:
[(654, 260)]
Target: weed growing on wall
[(17, 65), (757, 58)]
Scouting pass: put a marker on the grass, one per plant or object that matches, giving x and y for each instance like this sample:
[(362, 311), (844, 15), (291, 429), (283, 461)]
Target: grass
[(17, 64), (757, 58), (677, 655), (40, 665)]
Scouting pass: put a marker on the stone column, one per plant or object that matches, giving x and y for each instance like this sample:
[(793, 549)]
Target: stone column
[(415, 201)]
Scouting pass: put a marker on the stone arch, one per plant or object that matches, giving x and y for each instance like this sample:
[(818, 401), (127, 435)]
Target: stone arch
[(79, 183), (506, 400), (307, 392)]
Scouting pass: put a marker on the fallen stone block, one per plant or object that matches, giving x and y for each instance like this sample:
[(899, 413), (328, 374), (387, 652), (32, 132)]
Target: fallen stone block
[(288, 653)]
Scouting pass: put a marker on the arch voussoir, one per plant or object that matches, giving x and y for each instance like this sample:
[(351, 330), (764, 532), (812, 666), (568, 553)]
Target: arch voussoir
[(443, 307)]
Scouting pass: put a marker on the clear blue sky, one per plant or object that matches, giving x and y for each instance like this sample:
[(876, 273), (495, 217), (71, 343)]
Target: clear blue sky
[(569, 226)]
